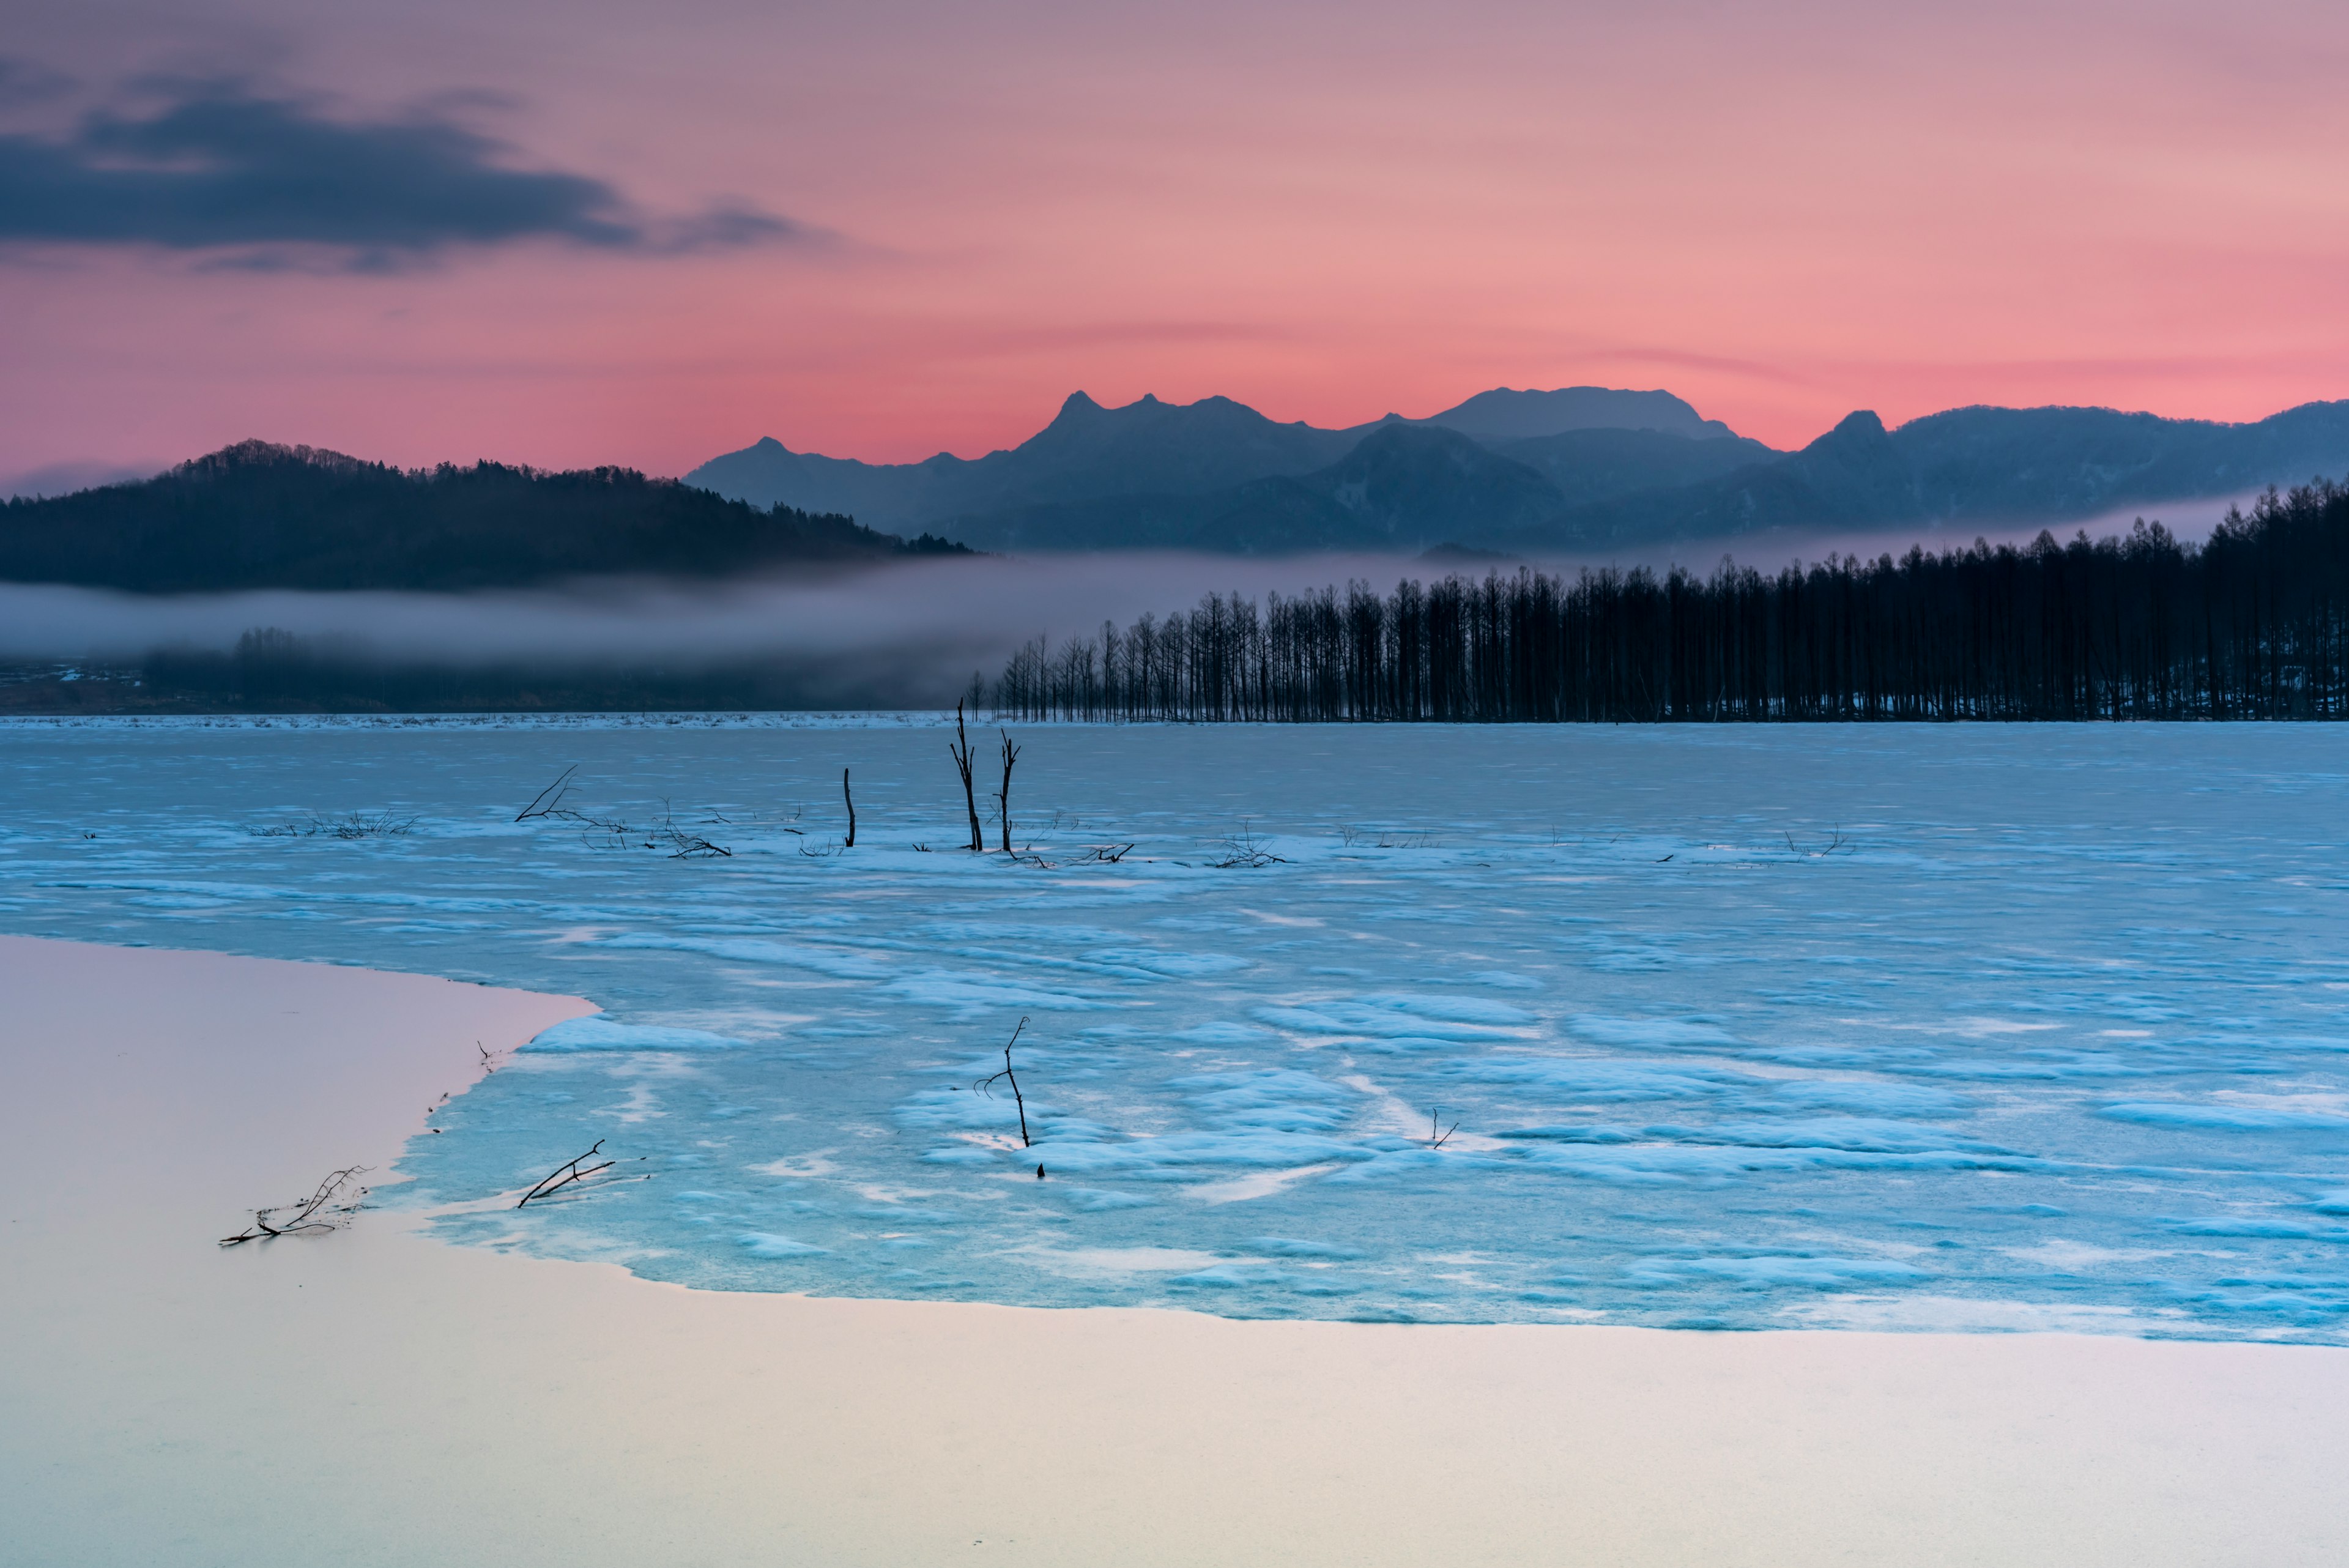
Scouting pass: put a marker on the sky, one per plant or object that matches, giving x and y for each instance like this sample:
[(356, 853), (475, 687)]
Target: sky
[(592, 232)]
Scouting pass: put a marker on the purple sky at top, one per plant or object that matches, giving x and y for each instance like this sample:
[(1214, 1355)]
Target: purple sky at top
[(886, 229)]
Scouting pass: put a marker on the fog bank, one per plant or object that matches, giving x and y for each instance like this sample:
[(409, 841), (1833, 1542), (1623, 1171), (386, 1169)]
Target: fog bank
[(912, 632)]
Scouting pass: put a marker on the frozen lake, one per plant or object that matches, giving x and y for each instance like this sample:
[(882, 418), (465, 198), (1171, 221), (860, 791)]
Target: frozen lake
[(1967, 1027)]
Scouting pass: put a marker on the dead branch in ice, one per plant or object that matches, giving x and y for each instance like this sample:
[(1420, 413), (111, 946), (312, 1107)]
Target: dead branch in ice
[(1435, 1140), (685, 846), (617, 832), (549, 801), (329, 1208), (575, 1175), (959, 749), (986, 1085), (1244, 850), (1385, 838), (1834, 844), (1104, 854), (350, 825), (850, 801)]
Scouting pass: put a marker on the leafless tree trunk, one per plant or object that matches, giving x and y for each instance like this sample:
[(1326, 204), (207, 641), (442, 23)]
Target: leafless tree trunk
[(985, 1085), (852, 809), (961, 750), (1003, 799)]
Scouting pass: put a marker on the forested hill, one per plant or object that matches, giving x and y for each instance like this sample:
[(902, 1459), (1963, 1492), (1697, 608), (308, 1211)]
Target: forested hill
[(257, 515), (2252, 624)]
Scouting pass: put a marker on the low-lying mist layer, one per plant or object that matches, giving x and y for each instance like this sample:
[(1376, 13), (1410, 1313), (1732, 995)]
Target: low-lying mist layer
[(913, 633)]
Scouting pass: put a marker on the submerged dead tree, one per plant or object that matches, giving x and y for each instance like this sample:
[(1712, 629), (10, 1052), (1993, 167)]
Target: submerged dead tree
[(1003, 796), (851, 800), (959, 749)]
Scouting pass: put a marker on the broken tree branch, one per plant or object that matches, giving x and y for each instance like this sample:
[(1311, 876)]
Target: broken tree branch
[(850, 801), (549, 801), (575, 1172), (329, 1208)]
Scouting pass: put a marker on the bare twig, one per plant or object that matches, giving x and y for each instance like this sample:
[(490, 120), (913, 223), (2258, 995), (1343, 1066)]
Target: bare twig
[(985, 1085), (329, 1208), (1435, 1140), (851, 800)]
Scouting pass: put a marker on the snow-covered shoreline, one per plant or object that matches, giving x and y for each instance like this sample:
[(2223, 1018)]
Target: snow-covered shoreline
[(372, 1397)]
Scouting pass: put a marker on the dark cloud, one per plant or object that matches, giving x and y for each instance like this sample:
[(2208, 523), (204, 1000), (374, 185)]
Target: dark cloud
[(266, 179)]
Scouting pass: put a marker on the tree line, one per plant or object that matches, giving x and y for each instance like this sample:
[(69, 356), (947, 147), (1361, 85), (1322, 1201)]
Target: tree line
[(2252, 624)]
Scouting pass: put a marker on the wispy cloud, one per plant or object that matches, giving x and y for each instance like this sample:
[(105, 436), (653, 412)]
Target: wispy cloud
[(239, 176)]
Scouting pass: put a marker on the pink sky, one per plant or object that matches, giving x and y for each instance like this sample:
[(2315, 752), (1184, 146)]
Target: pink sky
[(1327, 211)]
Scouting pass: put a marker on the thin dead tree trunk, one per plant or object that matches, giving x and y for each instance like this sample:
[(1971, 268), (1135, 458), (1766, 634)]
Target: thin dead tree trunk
[(986, 1084), (1003, 799), (852, 809), (961, 751)]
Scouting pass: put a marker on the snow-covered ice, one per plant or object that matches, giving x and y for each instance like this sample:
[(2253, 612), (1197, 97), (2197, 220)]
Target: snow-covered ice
[(1931, 1027)]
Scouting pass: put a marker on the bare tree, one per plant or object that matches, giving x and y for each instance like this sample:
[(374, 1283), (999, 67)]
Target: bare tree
[(1003, 798), (985, 1085), (959, 748), (851, 800)]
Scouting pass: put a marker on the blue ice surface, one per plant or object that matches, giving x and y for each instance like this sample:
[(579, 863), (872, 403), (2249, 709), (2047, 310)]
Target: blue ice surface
[(2054, 1040)]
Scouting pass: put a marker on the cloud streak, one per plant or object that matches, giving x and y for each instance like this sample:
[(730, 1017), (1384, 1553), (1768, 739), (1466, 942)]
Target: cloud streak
[(247, 178)]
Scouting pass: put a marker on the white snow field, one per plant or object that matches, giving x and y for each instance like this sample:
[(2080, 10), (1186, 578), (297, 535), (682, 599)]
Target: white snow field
[(1939, 1028)]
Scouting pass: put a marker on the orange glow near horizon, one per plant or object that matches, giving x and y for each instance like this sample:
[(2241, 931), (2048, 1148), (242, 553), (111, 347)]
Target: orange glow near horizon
[(1327, 212)]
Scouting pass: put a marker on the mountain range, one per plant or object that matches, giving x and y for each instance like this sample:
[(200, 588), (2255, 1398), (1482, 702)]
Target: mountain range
[(1529, 471)]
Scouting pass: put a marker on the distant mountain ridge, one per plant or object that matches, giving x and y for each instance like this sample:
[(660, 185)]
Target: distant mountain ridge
[(1971, 467), (1567, 470), (1148, 448)]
